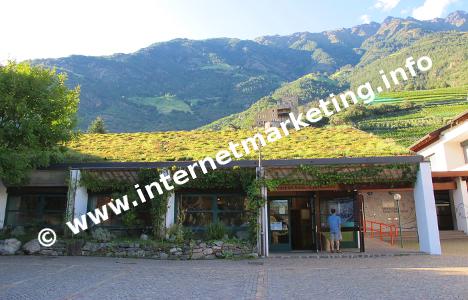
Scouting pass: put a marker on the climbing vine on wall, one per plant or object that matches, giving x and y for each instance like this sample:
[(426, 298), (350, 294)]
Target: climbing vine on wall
[(239, 179), (316, 176), (95, 183), (245, 179), (158, 203)]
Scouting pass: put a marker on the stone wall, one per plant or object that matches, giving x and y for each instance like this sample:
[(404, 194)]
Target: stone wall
[(381, 207), (193, 250)]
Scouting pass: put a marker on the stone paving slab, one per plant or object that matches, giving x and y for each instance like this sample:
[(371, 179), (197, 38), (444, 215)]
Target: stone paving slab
[(406, 277)]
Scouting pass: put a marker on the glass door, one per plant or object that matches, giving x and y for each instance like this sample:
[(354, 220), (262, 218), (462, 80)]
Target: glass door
[(302, 228), (280, 235), (344, 204)]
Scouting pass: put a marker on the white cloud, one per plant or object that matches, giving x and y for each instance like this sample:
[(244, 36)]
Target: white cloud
[(431, 9), (365, 19), (386, 5)]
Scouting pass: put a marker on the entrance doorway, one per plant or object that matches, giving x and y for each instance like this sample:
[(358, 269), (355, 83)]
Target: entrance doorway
[(292, 223), (299, 222), (444, 210)]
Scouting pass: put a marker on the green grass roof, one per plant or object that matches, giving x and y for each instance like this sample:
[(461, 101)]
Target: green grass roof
[(194, 145)]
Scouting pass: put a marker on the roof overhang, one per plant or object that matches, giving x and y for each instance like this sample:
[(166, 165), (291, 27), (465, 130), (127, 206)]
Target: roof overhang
[(409, 159), (450, 174), (434, 136)]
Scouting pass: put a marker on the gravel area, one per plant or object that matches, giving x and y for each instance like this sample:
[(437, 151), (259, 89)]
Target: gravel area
[(407, 277)]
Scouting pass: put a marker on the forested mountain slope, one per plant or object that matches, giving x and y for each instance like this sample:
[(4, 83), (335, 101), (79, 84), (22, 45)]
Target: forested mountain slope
[(185, 84)]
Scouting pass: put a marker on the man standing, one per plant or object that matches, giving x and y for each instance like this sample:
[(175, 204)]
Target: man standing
[(334, 223)]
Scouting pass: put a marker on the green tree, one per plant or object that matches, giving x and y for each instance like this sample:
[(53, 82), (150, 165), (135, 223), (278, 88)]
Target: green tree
[(37, 115), (97, 126)]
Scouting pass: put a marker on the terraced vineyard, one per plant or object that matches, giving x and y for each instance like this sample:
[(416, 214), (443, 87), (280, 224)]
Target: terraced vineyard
[(432, 109), (427, 96)]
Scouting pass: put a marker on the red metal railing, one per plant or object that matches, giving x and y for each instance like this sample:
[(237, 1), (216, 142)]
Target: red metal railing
[(382, 229)]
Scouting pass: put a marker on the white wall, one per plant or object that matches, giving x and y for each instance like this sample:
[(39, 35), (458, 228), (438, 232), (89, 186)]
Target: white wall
[(170, 213), (460, 201), (446, 154), (426, 215), (78, 194), (264, 219), (3, 203)]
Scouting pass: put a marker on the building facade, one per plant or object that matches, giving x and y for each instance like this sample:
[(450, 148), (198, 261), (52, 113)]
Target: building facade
[(292, 216), (447, 150)]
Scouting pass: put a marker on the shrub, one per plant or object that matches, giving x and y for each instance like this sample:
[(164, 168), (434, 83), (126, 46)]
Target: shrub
[(130, 219), (216, 231), (179, 233)]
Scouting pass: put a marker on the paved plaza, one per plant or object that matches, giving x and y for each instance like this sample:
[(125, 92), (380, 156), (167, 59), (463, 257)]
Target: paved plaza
[(405, 277)]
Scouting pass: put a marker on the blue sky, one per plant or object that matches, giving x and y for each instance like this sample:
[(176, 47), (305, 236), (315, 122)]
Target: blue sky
[(55, 28)]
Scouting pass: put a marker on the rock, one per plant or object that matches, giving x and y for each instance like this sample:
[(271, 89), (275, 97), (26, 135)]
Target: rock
[(208, 251), (219, 243), (144, 237), (202, 245), (32, 247), (198, 255), (253, 255), (9, 246), (17, 231), (48, 252), (173, 250), (91, 247), (121, 254), (136, 253), (210, 257), (197, 250), (163, 255)]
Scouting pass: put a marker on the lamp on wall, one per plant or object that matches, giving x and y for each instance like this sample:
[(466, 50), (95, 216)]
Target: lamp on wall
[(397, 198)]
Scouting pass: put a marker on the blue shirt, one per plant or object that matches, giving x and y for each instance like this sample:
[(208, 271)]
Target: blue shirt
[(334, 222)]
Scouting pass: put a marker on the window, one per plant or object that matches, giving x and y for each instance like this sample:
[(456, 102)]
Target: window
[(97, 201), (465, 150), (198, 211), (143, 215), (32, 209), (231, 210), (344, 207)]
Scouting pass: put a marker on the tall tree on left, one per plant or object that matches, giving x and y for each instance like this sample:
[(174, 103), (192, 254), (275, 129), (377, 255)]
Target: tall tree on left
[(37, 116)]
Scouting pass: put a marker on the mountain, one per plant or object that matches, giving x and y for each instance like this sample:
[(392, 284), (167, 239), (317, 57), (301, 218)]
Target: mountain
[(450, 69), (330, 49), (396, 33), (306, 89), (447, 50), (185, 84), (181, 84)]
